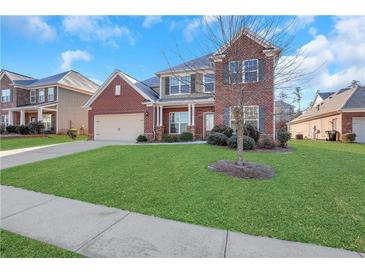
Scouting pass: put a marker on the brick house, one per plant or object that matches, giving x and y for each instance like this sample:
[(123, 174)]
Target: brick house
[(193, 96), (343, 111), (55, 100)]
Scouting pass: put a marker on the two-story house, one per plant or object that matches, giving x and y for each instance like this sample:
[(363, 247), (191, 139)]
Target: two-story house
[(189, 97), (55, 100)]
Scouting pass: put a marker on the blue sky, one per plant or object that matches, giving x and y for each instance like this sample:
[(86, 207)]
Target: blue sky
[(141, 45)]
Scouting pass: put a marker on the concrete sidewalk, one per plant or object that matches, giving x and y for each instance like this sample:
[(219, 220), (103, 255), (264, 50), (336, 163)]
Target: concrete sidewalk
[(99, 231)]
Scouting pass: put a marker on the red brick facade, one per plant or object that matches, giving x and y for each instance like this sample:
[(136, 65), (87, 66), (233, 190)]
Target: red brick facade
[(347, 120)]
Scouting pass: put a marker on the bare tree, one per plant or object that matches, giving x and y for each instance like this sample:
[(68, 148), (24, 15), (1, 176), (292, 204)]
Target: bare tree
[(297, 98), (233, 34)]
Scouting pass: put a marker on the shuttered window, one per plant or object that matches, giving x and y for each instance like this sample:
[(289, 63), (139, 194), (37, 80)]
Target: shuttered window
[(250, 71), (208, 82), (5, 95), (180, 84), (41, 96)]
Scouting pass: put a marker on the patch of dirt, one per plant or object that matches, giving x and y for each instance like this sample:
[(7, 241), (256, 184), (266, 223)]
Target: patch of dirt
[(275, 150), (248, 170)]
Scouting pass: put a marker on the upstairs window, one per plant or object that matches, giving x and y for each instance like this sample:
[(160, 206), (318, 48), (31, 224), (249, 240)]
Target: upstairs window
[(208, 82), (32, 96), (41, 96), (234, 71), (250, 71), (117, 90), (180, 84), (50, 94), (5, 95)]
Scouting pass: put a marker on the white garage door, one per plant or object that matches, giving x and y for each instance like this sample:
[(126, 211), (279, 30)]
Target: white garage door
[(358, 127), (119, 127)]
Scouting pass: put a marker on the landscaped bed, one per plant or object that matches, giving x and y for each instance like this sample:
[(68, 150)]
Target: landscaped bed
[(16, 246), (316, 196), (23, 142)]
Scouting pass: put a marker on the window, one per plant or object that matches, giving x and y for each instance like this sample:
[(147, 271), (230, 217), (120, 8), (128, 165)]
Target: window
[(41, 96), (47, 121), (5, 95), (179, 84), (233, 71), (4, 120), (50, 94), (250, 71), (208, 82), (117, 90), (32, 96), (250, 116), (178, 122)]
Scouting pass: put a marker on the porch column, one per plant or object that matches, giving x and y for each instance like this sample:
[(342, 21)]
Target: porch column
[(193, 115), (40, 115), (11, 117), (161, 116), (22, 117), (189, 115)]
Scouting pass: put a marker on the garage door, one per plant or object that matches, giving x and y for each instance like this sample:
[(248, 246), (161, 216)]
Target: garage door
[(119, 127), (358, 127)]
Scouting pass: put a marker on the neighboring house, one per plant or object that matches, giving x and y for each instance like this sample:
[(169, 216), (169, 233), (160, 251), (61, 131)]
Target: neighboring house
[(343, 111), (284, 112), (193, 96), (55, 100)]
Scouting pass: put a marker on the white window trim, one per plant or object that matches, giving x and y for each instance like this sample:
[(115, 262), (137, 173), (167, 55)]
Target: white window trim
[(117, 90), (44, 95), (243, 70), (178, 77), (4, 117), (209, 83), (7, 97), (179, 132), (258, 116), (53, 97), (30, 96)]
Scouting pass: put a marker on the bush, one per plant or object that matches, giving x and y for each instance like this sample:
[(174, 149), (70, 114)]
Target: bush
[(2, 129), (186, 137), (141, 138), (283, 137), (248, 143), (36, 127), (266, 142), (222, 129), (73, 133), (349, 137), (299, 136), (22, 129), (11, 129), (217, 139), (251, 131), (167, 138), (232, 141)]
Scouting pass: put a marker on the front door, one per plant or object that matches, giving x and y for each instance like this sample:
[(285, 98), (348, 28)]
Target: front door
[(208, 123)]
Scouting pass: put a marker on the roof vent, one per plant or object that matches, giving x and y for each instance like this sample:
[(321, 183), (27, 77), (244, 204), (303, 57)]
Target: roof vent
[(318, 107)]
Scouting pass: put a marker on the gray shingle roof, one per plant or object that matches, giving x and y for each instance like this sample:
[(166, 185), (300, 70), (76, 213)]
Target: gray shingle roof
[(152, 82), (48, 80), (357, 100), (202, 62), (325, 95)]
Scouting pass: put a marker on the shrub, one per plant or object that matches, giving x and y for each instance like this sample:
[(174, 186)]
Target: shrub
[(36, 127), (186, 137), (22, 129), (266, 142), (167, 138), (232, 141), (299, 136), (283, 137), (11, 129), (251, 131), (248, 143), (141, 138), (73, 133), (217, 139), (349, 137), (2, 129), (222, 129)]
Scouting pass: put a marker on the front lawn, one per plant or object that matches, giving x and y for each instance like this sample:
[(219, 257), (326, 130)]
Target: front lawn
[(19, 142), (16, 246), (317, 195)]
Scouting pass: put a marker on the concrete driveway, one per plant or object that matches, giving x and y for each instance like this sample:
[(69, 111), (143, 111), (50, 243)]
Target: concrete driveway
[(48, 152)]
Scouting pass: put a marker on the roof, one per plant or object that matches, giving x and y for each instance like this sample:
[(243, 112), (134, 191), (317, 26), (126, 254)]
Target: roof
[(152, 82), (347, 98), (325, 95), (15, 76), (145, 91), (283, 104), (202, 62), (186, 98), (69, 78)]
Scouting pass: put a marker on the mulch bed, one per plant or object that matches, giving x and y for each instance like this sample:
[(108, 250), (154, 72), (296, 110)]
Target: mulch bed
[(248, 170), (275, 150)]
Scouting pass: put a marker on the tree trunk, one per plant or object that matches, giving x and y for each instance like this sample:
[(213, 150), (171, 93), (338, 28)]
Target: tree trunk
[(239, 142)]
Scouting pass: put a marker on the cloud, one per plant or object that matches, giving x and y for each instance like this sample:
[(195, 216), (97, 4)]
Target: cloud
[(97, 28), (69, 56), (151, 20), (192, 28), (32, 26)]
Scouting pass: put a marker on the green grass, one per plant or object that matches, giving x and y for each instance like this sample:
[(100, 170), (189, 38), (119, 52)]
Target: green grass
[(19, 142), (17, 246), (317, 195)]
